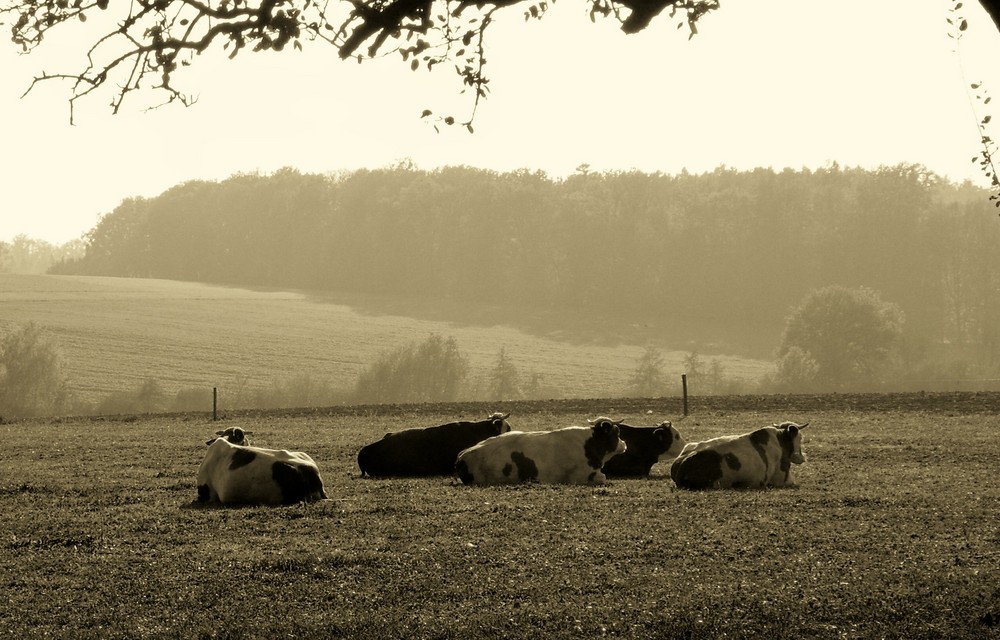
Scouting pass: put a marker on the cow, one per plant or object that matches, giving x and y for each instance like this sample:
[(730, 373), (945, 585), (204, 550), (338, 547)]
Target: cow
[(238, 474), (645, 447), (760, 458), (427, 451), (235, 435), (572, 455)]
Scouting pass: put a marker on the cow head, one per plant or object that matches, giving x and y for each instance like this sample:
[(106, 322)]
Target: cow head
[(790, 435), (499, 421), (604, 442), (671, 440), (234, 435)]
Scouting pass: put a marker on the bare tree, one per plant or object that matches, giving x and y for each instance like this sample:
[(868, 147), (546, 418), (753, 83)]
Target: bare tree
[(147, 40)]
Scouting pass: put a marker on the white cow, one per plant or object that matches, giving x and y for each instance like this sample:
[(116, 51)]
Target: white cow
[(757, 459), (238, 474), (573, 455)]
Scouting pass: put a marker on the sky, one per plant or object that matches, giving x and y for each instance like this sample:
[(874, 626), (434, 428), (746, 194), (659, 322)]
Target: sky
[(765, 83)]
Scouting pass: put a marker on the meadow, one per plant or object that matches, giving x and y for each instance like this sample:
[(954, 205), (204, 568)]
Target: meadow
[(115, 333), (893, 532)]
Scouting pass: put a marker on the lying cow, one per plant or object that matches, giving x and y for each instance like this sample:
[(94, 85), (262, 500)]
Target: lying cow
[(235, 435), (573, 455), (757, 459), (645, 447), (428, 451), (237, 474)]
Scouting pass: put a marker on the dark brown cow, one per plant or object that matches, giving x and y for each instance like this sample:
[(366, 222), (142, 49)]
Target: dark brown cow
[(646, 447), (428, 451)]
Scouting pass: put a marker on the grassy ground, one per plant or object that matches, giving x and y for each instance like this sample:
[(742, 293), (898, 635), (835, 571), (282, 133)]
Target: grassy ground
[(893, 533), (115, 333)]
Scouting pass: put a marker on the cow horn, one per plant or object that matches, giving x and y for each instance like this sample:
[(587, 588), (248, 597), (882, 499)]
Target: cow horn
[(803, 426)]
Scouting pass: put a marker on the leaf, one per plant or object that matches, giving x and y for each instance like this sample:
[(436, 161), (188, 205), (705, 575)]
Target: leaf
[(449, 120), (987, 119), (963, 25), (414, 65), (426, 113)]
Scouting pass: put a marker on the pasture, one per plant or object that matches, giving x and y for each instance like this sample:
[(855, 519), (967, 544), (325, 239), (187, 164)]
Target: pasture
[(116, 333), (893, 532)]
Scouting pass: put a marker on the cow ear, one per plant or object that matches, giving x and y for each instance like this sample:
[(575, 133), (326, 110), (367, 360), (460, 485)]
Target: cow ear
[(211, 440), (219, 433)]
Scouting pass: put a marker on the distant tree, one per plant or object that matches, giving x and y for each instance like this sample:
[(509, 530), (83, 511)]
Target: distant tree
[(30, 256), (648, 379), (850, 335), (505, 380), (432, 371), (32, 382), (715, 377), (796, 371)]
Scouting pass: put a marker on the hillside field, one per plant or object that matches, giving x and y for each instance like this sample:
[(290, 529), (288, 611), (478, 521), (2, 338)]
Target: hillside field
[(892, 533), (115, 333)]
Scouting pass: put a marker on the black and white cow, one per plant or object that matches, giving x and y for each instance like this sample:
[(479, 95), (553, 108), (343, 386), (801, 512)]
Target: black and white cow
[(646, 447), (573, 455), (238, 474), (427, 451), (760, 458), (235, 435)]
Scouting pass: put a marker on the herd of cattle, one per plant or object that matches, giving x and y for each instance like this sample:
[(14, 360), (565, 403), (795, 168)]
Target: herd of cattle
[(489, 452)]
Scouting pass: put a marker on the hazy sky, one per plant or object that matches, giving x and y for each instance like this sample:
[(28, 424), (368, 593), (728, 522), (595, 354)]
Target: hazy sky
[(778, 83)]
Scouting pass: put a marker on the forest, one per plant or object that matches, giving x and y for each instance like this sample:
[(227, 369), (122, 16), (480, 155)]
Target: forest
[(718, 259)]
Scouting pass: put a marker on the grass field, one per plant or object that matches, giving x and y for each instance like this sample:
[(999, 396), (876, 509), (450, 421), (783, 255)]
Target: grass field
[(115, 333), (893, 532)]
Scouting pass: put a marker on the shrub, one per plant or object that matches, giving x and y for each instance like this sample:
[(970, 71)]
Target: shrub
[(32, 382)]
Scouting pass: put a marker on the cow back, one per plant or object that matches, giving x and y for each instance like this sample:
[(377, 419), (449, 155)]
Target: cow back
[(426, 451), (573, 455)]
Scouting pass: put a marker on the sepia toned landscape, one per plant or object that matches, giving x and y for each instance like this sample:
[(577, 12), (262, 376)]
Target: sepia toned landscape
[(891, 532)]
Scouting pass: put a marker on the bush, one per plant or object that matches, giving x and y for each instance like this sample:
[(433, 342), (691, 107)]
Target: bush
[(32, 382), (432, 371)]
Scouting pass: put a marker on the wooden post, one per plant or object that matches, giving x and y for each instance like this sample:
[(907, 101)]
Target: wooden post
[(684, 385), (215, 404)]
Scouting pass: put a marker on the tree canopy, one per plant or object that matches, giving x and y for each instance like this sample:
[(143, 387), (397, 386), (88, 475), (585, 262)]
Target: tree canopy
[(145, 42)]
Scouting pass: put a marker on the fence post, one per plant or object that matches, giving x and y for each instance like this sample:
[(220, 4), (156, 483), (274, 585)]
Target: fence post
[(684, 385), (215, 404)]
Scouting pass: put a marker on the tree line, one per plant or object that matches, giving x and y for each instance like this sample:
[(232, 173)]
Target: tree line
[(30, 256), (718, 259)]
